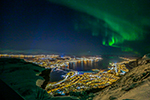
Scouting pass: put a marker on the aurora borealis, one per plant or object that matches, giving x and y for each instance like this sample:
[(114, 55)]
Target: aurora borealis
[(82, 25), (125, 18)]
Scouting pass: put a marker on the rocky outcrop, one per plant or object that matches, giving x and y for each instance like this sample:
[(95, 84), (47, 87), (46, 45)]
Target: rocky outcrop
[(134, 85), (46, 75)]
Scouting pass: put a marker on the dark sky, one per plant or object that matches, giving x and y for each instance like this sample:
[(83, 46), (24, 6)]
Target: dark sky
[(80, 27)]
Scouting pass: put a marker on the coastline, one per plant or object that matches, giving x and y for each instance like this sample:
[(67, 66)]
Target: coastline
[(45, 72)]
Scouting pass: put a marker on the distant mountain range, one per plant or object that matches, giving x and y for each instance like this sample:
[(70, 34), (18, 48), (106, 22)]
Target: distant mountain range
[(31, 51), (46, 52)]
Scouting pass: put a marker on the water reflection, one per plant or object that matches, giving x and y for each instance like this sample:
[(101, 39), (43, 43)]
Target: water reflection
[(86, 65), (82, 65)]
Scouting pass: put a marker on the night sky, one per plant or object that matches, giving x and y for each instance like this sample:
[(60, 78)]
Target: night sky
[(77, 27)]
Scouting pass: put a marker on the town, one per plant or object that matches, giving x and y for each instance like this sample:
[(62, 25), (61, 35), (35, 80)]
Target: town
[(74, 80)]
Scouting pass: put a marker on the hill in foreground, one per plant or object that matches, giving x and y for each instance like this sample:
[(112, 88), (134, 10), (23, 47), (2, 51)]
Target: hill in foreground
[(21, 77), (135, 85), (26, 79)]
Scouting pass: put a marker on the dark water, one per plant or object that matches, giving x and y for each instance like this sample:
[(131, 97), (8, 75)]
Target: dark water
[(85, 66), (89, 65)]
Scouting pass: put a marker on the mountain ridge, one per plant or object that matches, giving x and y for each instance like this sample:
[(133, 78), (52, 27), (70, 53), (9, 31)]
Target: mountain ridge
[(131, 85)]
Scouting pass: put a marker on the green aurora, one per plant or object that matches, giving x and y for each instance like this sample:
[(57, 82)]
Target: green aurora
[(126, 19)]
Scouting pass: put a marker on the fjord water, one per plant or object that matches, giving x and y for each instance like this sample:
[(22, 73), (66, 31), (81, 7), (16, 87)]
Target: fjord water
[(89, 65), (85, 66)]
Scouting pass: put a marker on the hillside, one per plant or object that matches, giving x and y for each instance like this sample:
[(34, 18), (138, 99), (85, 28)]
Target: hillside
[(21, 77), (135, 85), (26, 80)]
